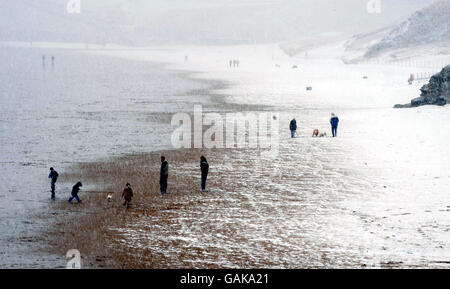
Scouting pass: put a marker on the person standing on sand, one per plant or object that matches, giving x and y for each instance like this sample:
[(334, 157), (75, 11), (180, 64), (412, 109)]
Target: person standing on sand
[(75, 190), (53, 175), (293, 127), (163, 175), (127, 194), (334, 121), (204, 167)]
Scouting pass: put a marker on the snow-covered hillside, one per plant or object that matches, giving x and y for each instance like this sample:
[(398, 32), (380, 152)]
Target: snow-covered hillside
[(144, 22), (429, 26)]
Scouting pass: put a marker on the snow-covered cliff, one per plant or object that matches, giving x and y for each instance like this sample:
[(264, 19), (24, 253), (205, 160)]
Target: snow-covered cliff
[(430, 25)]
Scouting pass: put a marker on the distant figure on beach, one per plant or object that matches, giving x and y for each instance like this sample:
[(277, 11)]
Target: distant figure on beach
[(411, 79), (293, 127), (334, 121), (53, 175), (127, 194), (185, 58), (163, 175), (204, 167), (231, 63), (75, 191), (53, 61), (237, 63), (43, 60)]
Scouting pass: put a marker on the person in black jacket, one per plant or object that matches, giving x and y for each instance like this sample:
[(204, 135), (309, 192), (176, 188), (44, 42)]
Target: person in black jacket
[(163, 175), (204, 167), (75, 190), (293, 127), (53, 175)]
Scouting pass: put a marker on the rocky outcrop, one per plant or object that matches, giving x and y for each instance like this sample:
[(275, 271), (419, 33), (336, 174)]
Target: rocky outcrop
[(436, 92)]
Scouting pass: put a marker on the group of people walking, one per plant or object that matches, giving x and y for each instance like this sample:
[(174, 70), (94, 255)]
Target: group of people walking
[(127, 193), (43, 60), (234, 63), (334, 122)]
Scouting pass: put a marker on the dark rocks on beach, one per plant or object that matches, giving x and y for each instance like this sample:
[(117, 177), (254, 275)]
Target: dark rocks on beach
[(436, 92)]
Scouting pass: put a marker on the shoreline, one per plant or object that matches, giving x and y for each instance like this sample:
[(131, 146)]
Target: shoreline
[(104, 232)]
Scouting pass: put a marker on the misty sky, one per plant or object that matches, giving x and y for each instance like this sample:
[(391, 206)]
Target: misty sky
[(141, 22)]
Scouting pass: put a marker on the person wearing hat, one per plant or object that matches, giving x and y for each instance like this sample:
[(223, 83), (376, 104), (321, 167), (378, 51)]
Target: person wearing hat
[(75, 190), (127, 194), (334, 121)]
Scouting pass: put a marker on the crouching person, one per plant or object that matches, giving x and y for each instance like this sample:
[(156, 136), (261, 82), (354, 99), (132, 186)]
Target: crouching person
[(127, 194), (75, 191)]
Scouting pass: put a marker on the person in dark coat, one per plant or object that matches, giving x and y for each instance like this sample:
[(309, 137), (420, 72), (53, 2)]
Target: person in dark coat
[(127, 194), (163, 175), (204, 167), (334, 121), (53, 175), (75, 190), (293, 127)]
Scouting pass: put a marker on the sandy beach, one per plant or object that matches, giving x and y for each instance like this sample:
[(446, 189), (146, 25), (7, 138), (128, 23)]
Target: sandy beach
[(366, 199)]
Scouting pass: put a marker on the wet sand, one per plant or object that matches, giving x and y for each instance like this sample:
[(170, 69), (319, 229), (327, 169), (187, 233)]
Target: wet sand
[(321, 203), (225, 227)]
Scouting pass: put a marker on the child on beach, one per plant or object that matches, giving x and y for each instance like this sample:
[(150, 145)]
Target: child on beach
[(127, 194)]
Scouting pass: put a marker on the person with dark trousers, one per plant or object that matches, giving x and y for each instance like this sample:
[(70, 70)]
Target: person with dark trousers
[(204, 167), (293, 127), (53, 175), (127, 194), (163, 175), (75, 190), (334, 121)]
